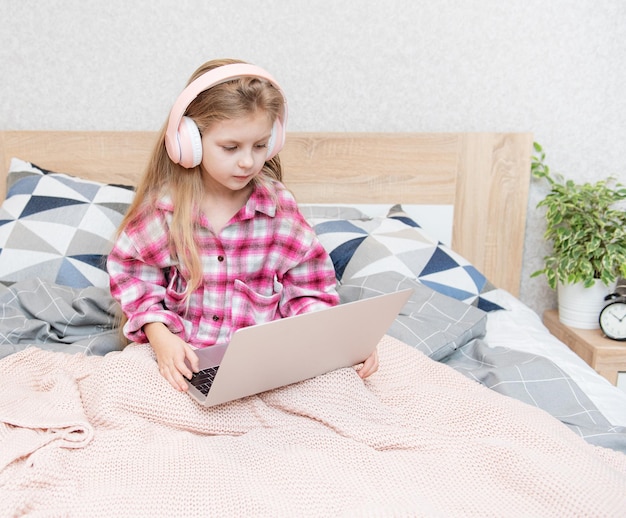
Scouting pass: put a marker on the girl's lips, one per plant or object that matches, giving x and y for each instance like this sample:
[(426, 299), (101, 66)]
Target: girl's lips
[(243, 177)]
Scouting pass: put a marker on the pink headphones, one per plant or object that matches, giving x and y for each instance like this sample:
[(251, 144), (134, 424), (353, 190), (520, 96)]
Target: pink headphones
[(182, 137)]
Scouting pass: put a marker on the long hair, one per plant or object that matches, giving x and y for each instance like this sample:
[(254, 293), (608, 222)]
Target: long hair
[(234, 99)]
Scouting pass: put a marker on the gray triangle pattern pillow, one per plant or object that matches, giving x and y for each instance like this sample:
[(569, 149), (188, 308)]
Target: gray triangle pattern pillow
[(58, 227), (396, 243)]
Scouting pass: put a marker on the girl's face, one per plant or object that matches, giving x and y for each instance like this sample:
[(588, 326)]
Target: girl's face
[(234, 151)]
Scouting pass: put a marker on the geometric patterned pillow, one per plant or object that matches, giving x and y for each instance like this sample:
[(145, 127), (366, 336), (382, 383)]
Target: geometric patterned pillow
[(58, 227), (310, 211), (396, 243)]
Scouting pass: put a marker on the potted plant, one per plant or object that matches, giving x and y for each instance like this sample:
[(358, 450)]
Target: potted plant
[(587, 230)]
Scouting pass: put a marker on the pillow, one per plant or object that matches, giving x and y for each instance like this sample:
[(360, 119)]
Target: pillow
[(435, 324), (330, 211), (396, 243), (57, 227)]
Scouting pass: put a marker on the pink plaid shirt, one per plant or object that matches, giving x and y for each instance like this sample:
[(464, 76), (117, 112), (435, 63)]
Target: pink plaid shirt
[(267, 263)]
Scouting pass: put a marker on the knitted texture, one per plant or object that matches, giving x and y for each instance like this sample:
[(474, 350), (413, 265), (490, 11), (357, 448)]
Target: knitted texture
[(107, 436)]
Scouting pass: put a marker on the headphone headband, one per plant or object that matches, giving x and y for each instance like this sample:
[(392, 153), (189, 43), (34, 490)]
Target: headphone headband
[(182, 143)]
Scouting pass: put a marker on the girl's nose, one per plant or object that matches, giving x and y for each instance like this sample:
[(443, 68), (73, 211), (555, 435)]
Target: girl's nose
[(246, 159)]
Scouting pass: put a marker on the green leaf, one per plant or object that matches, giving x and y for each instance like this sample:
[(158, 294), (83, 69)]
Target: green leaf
[(585, 227)]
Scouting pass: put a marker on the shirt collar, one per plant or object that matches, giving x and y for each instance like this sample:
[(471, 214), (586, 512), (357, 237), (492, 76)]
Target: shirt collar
[(261, 200)]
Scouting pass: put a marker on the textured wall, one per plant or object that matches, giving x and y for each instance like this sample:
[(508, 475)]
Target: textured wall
[(553, 68)]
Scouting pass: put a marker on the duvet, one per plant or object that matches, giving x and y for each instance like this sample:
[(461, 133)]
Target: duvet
[(106, 436)]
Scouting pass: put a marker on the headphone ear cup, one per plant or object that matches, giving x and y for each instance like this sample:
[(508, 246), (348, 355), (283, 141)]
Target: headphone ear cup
[(277, 139), (189, 142)]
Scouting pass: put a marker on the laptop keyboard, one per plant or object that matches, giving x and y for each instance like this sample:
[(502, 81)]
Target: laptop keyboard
[(203, 379)]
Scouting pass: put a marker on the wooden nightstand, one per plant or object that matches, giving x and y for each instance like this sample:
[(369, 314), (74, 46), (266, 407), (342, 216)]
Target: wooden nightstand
[(607, 357)]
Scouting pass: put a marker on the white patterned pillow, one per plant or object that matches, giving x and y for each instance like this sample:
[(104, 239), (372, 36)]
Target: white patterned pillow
[(317, 211), (58, 227), (362, 247)]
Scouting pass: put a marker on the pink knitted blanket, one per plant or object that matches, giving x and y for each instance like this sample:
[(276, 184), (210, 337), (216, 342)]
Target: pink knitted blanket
[(107, 436)]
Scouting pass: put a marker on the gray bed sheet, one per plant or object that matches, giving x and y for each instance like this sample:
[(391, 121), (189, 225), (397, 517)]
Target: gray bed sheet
[(57, 318), (539, 382)]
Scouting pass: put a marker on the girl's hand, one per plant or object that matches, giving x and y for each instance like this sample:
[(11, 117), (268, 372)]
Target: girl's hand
[(370, 365), (174, 355)]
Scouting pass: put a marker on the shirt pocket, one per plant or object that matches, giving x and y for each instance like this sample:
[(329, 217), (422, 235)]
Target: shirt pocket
[(250, 307), (175, 291)]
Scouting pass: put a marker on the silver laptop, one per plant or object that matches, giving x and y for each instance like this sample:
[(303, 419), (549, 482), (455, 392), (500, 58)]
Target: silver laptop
[(288, 350)]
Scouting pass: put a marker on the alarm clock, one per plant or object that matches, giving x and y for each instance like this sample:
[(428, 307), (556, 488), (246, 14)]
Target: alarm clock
[(613, 317)]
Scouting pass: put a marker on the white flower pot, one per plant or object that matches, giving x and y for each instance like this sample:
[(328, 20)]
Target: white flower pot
[(579, 306)]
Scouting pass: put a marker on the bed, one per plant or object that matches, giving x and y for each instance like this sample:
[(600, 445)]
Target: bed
[(476, 409)]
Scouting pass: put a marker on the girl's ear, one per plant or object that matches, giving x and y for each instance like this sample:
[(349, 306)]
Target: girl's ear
[(189, 143), (277, 139)]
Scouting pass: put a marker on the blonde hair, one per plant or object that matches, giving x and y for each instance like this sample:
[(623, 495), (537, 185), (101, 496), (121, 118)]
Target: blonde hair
[(226, 101)]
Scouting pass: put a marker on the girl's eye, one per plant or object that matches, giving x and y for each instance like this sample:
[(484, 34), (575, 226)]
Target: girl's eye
[(234, 148)]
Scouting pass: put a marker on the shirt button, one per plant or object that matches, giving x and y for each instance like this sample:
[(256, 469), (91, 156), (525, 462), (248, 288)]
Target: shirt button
[(220, 258), (215, 318)]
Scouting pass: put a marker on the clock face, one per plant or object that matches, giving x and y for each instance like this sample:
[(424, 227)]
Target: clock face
[(613, 320)]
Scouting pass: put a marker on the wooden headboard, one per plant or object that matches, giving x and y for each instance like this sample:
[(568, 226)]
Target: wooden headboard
[(485, 176)]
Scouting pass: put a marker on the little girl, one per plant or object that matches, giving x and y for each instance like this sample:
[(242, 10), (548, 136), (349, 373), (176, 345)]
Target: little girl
[(213, 240)]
